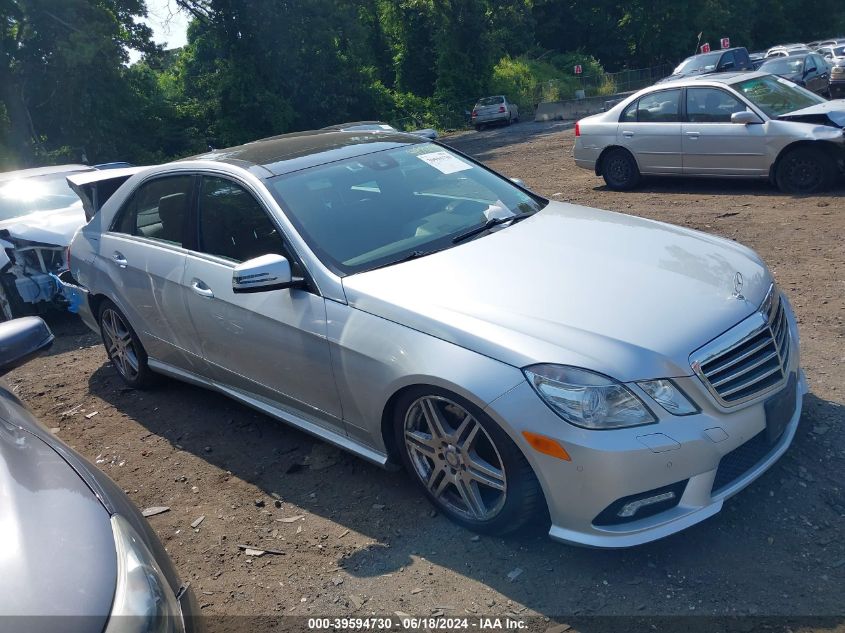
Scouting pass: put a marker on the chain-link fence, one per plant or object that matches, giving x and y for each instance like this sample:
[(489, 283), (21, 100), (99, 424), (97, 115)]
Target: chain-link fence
[(604, 84)]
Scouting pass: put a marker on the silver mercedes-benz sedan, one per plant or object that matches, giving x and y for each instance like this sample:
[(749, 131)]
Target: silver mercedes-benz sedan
[(738, 125), (522, 358)]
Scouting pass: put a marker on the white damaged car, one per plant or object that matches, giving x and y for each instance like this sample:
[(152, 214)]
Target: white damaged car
[(40, 210)]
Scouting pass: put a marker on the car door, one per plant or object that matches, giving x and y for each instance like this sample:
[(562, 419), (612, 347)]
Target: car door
[(268, 344), (143, 258), (651, 129), (712, 145), (822, 74)]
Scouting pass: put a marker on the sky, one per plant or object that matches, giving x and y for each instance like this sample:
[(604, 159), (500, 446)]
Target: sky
[(169, 24)]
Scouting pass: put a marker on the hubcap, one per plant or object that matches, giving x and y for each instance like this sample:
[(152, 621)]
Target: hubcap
[(119, 345), (455, 458)]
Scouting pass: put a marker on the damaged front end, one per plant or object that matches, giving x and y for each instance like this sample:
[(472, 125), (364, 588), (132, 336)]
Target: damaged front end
[(29, 276)]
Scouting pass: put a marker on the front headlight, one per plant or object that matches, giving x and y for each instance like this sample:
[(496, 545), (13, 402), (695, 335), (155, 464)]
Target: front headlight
[(587, 399), (143, 599), (669, 396)]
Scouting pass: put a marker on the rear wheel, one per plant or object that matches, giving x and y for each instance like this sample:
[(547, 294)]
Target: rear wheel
[(619, 170), (466, 464), (124, 348), (805, 170), (478, 128)]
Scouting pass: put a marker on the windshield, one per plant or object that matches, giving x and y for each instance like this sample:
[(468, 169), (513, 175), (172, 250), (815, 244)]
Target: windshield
[(380, 208), (37, 193), (698, 63), (776, 96), (488, 101), (784, 66)]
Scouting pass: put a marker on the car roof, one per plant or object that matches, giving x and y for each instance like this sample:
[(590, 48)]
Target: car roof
[(342, 126), (43, 171), (291, 152), (794, 56), (724, 78)]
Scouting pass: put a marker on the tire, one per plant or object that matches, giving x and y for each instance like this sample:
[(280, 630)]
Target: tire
[(478, 128), (123, 347), (468, 467), (805, 170), (619, 170)]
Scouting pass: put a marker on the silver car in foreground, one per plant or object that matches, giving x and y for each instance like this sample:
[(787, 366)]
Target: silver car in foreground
[(739, 125), (77, 555), (408, 304)]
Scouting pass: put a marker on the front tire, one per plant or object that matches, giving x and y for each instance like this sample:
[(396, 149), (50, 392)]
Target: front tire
[(619, 170), (124, 349), (805, 170), (468, 467)]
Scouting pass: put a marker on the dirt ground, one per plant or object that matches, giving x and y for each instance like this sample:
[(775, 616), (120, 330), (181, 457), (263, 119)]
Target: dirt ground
[(357, 540)]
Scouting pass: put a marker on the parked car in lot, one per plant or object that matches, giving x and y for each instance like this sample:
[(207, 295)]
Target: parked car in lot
[(757, 59), (39, 213), (809, 71), (730, 59), (746, 125), (355, 287), (785, 50), (832, 54), (837, 80), (77, 554), (496, 109), (378, 126)]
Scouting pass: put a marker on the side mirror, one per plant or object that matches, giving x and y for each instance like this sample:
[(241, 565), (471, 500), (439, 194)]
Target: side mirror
[(20, 340), (745, 118), (262, 274)]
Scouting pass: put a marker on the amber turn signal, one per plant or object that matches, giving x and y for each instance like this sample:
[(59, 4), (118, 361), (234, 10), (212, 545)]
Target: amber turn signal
[(546, 445)]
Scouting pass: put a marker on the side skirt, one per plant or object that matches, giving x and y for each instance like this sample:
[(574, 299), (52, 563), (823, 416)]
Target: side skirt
[(285, 415)]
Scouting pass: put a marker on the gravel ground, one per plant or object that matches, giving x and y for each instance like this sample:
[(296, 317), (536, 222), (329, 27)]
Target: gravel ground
[(356, 540)]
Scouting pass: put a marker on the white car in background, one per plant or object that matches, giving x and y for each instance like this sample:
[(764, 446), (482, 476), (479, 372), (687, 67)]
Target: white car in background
[(735, 125), (39, 214)]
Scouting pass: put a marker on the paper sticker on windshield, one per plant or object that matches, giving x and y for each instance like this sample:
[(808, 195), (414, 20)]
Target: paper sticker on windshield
[(444, 162)]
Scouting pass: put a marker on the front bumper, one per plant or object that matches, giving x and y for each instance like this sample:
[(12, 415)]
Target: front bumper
[(608, 466)]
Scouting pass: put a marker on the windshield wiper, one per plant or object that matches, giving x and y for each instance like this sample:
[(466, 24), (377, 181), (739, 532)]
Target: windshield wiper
[(408, 257), (489, 224)]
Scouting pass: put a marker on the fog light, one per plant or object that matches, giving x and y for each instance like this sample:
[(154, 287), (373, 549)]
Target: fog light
[(630, 509)]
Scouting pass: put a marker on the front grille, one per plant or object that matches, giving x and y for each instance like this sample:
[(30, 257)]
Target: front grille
[(753, 365), (740, 460)]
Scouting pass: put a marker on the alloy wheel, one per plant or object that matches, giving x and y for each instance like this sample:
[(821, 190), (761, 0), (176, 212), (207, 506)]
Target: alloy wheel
[(119, 344), (455, 458)]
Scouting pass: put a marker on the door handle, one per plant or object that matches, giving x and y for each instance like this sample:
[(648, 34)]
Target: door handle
[(201, 288), (693, 135), (628, 134), (119, 259)]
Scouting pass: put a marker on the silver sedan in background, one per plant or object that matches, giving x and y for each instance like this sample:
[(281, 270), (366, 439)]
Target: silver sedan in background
[(522, 358), (738, 125)]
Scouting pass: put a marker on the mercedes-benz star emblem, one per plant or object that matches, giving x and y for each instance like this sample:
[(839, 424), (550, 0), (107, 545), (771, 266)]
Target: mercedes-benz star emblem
[(738, 281)]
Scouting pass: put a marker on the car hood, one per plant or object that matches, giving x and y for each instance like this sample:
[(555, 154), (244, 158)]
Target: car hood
[(625, 296), (829, 112), (58, 556), (56, 226)]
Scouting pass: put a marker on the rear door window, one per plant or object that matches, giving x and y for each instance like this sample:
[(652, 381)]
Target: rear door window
[(659, 107), (158, 210)]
